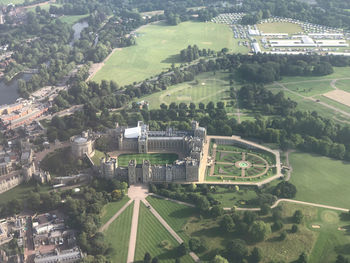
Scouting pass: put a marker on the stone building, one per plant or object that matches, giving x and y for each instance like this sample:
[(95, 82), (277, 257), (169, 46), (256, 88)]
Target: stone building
[(141, 140), (82, 145)]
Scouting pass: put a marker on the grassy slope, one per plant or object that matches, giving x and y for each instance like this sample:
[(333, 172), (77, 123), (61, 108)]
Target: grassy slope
[(229, 197), (176, 215), (111, 208), (70, 20), (97, 157), (321, 179), (343, 84), (278, 27), (118, 235), (154, 158), (150, 235), (20, 192), (158, 46)]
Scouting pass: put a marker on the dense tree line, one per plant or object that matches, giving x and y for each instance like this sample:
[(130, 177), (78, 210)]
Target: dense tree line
[(193, 52)]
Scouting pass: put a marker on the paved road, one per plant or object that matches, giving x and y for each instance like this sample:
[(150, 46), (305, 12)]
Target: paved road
[(133, 232), (121, 210)]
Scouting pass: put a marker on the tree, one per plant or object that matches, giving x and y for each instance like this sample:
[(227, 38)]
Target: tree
[(302, 258), (295, 228), (298, 216), (285, 190), (195, 244), (155, 260), (216, 211), (147, 258), (277, 225), (283, 235), (219, 259), (236, 249), (341, 259), (117, 194), (256, 255), (259, 231), (182, 249), (227, 223)]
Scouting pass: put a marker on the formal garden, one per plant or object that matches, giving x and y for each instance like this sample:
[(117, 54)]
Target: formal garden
[(238, 163)]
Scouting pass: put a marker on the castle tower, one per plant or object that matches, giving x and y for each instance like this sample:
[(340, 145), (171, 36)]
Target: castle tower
[(192, 170), (168, 174), (146, 171), (132, 172)]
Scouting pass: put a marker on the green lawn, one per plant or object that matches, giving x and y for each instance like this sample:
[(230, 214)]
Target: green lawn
[(229, 197), (339, 72), (154, 158), (176, 215), (97, 157), (334, 103), (280, 27), (111, 208), (206, 87), (20, 192), (308, 105), (43, 7), (343, 84), (71, 20), (320, 179), (153, 238), (6, 2), (309, 89), (157, 47), (118, 235)]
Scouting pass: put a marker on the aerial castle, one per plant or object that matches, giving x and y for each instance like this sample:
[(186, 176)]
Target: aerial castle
[(141, 140)]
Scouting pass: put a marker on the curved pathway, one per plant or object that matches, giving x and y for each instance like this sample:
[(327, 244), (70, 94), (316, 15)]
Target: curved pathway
[(273, 206)]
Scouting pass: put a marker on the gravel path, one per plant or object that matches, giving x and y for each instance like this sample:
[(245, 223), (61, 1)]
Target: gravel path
[(133, 232)]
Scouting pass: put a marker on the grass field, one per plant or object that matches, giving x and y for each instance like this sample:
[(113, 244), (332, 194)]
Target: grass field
[(333, 103), (153, 238), (339, 72), (157, 47), (21, 191), (97, 157), (343, 84), (309, 89), (321, 179), (176, 215), (308, 105), (210, 87), (118, 235), (71, 20), (154, 158), (111, 208), (229, 197), (280, 27), (6, 2), (43, 7)]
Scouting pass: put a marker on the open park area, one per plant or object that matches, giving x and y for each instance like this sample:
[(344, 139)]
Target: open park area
[(158, 46), (320, 179)]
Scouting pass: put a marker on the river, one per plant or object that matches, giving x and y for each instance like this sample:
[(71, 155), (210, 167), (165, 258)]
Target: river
[(8, 91)]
